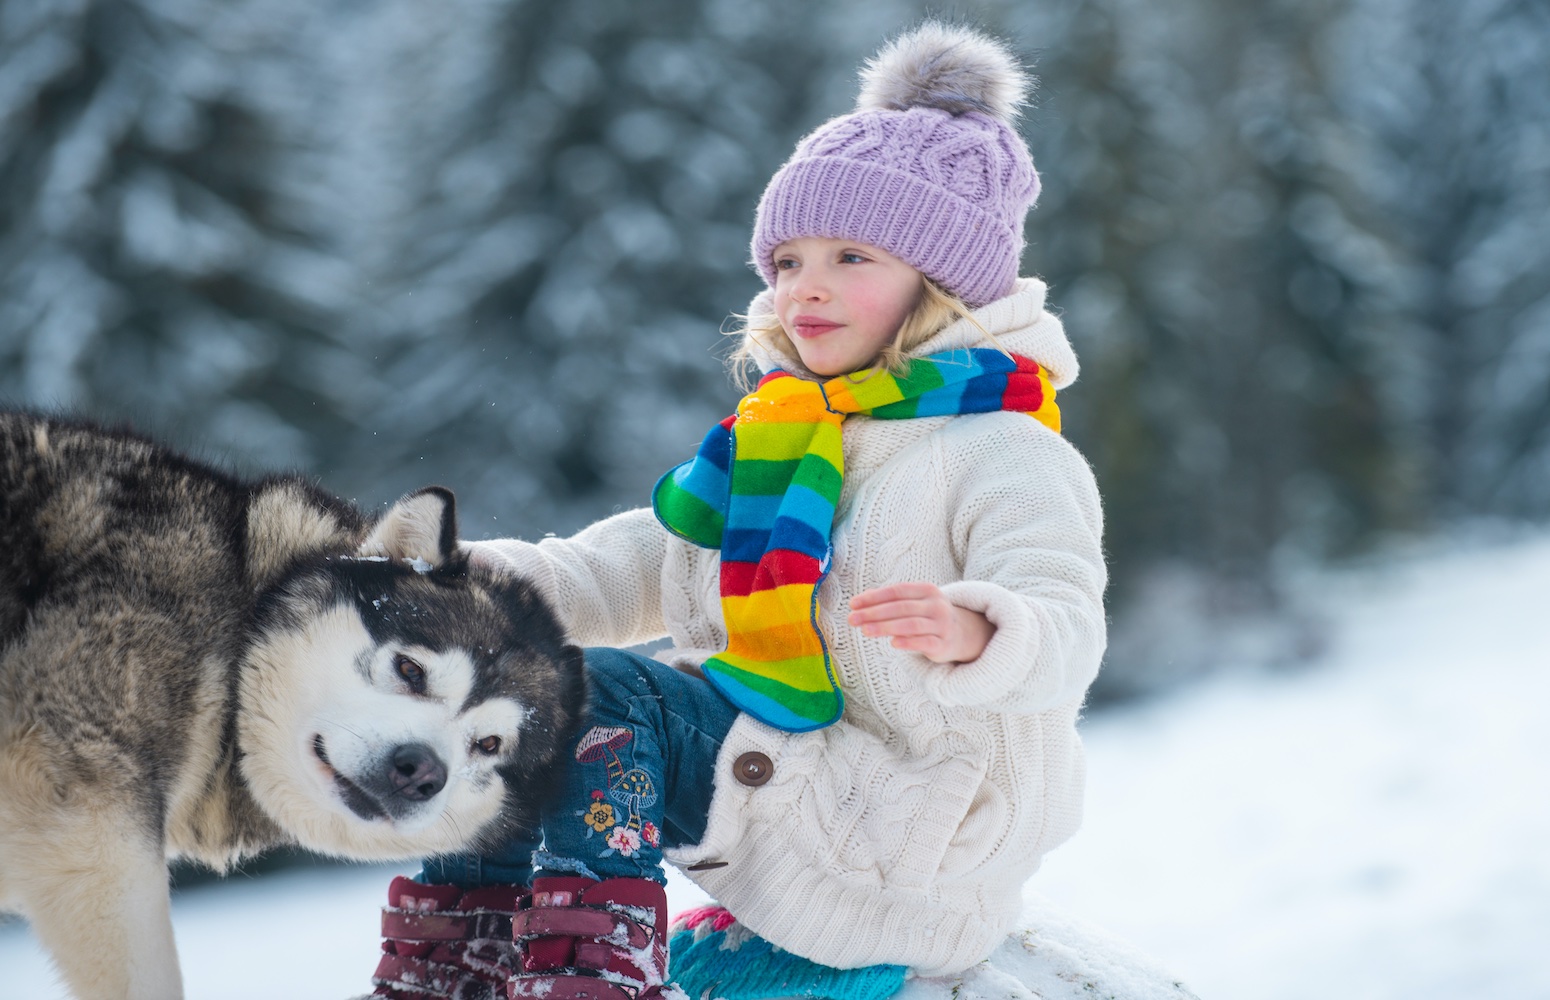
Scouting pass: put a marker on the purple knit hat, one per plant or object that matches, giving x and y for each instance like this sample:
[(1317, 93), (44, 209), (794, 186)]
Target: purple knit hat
[(928, 166)]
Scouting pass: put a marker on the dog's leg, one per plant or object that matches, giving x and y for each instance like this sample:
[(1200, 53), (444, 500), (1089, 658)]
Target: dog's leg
[(97, 899)]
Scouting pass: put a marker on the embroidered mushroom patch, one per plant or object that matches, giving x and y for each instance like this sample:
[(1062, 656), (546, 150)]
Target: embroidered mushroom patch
[(630, 787)]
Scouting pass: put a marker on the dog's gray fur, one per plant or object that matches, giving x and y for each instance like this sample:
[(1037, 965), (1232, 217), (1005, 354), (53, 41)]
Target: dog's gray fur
[(196, 665)]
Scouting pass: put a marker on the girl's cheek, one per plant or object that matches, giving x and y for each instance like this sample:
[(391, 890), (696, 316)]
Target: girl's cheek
[(867, 302)]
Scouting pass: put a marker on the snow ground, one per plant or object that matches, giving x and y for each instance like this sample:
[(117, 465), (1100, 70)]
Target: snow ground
[(1371, 826)]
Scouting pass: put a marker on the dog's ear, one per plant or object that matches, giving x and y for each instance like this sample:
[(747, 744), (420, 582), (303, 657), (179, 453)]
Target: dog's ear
[(421, 526)]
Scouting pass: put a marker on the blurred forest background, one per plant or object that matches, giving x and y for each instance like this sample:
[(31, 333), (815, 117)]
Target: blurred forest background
[(1302, 248)]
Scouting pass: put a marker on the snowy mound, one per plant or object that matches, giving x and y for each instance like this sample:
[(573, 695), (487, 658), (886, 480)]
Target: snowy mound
[(1057, 957)]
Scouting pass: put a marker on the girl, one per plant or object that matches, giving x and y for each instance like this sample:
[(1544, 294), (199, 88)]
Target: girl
[(883, 584)]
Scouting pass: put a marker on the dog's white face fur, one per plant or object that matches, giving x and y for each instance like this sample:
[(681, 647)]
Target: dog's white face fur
[(337, 726), (324, 714)]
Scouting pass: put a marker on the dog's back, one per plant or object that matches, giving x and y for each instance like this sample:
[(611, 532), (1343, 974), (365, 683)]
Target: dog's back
[(128, 577), (121, 608), (120, 585)]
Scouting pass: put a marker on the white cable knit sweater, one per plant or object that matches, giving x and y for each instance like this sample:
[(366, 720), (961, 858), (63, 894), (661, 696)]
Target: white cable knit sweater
[(903, 833)]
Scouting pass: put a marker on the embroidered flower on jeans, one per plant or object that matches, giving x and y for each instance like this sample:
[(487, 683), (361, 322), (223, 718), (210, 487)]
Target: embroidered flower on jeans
[(624, 840), (650, 834), (600, 817)]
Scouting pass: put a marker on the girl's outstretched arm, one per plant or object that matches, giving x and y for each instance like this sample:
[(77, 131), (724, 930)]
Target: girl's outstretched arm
[(919, 617), (605, 581)]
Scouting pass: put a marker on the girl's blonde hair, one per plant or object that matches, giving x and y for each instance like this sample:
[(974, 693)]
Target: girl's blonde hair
[(934, 312)]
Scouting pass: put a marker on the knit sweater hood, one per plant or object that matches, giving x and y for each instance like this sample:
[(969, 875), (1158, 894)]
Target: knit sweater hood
[(1017, 323)]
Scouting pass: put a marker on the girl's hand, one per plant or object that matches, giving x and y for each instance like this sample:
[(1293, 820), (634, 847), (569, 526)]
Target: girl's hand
[(920, 618)]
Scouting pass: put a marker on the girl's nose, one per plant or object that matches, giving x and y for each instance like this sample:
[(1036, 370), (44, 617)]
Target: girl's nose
[(809, 286)]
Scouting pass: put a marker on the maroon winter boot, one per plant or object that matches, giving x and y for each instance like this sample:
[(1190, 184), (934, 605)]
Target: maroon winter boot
[(441, 943), (584, 940)]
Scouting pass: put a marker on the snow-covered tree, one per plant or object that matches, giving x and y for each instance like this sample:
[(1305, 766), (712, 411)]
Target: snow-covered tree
[(564, 230), (160, 260), (1447, 105), (1302, 252)]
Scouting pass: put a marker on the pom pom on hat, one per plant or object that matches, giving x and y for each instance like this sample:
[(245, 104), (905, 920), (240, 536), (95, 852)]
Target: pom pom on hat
[(928, 167), (948, 67)]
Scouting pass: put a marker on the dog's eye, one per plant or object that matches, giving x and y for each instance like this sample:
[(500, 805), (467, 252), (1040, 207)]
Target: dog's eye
[(489, 746), (412, 673)]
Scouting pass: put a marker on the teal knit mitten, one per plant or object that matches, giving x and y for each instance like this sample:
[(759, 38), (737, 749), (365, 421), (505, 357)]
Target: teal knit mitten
[(715, 958)]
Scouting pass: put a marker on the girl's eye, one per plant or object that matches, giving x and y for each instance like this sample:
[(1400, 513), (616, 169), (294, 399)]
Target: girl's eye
[(489, 746), (412, 673), (852, 258), (785, 264)]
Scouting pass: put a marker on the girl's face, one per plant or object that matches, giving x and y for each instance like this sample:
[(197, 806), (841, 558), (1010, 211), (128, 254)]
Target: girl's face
[(841, 302)]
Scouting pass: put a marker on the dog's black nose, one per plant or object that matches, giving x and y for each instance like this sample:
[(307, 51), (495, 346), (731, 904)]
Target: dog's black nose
[(418, 773)]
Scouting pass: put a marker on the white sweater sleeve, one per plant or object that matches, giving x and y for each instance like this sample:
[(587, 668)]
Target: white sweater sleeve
[(1027, 526), (605, 582)]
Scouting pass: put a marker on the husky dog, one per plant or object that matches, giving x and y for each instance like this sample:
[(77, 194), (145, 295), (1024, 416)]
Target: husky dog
[(195, 665)]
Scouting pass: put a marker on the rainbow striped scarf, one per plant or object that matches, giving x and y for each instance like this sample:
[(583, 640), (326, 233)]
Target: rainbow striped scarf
[(762, 488)]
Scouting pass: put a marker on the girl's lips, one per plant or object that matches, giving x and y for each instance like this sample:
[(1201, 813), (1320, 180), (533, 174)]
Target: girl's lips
[(812, 326)]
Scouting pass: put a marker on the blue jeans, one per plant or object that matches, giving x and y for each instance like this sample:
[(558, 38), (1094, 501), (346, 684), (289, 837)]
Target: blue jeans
[(639, 779)]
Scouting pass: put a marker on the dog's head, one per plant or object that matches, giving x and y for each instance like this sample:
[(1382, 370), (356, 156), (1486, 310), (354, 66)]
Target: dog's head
[(396, 702)]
